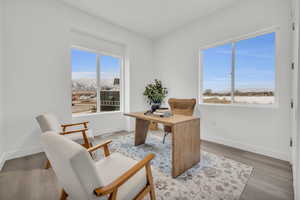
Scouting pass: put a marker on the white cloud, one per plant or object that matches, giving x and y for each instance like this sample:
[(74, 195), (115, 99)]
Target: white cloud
[(79, 75)]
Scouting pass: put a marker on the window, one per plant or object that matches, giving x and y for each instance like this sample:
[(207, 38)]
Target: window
[(241, 72), (95, 82)]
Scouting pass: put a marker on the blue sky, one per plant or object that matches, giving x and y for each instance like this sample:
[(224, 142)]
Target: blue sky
[(84, 65), (255, 65)]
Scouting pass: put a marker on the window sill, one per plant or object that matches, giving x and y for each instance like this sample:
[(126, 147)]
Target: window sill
[(94, 114), (272, 106)]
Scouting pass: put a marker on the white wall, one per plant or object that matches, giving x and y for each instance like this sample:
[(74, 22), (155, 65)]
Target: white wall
[(38, 71), (262, 130), (1, 81), (296, 96)]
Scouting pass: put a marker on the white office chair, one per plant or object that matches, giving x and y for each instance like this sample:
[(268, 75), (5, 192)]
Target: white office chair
[(115, 176)]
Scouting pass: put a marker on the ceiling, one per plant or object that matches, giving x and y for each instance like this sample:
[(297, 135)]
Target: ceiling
[(152, 18)]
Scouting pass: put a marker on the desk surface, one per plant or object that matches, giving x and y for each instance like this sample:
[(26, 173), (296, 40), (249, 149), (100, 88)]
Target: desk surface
[(175, 119)]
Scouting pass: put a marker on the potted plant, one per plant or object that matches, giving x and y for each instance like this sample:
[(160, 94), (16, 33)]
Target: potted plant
[(155, 94)]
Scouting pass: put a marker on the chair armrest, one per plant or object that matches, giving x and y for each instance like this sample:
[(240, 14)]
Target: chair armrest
[(124, 177), (84, 136), (104, 145), (74, 124), (75, 131)]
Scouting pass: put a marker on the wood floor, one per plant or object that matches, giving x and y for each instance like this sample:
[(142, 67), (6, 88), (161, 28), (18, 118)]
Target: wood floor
[(24, 178)]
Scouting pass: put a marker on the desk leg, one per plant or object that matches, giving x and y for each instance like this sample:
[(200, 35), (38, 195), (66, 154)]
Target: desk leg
[(185, 146), (141, 129)]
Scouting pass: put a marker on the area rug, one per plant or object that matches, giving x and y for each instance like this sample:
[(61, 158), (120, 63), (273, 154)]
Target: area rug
[(213, 178)]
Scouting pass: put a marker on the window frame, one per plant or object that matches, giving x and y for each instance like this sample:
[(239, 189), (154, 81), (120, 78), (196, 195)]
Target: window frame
[(98, 70), (232, 41)]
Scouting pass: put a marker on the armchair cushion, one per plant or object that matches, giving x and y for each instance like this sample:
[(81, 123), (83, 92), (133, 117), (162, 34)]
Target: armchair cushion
[(113, 166)]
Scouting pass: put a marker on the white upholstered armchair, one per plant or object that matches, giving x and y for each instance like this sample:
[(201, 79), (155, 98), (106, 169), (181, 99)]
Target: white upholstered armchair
[(83, 135), (115, 177)]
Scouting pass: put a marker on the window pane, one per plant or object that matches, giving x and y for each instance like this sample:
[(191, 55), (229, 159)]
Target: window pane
[(216, 74), (110, 83), (84, 81), (255, 70)]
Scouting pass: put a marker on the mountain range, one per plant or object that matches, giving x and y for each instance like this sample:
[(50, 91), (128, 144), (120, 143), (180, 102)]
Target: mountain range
[(88, 84)]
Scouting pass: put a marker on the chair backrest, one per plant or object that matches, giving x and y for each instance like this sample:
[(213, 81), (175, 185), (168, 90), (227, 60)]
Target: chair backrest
[(75, 170), (182, 106), (48, 122)]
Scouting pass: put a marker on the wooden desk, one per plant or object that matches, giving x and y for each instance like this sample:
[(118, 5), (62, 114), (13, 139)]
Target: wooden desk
[(185, 138)]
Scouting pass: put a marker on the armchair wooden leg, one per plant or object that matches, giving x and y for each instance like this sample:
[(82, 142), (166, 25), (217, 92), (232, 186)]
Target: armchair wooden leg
[(150, 181), (152, 194), (48, 165), (87, 145), (63, 195), (113, 195)]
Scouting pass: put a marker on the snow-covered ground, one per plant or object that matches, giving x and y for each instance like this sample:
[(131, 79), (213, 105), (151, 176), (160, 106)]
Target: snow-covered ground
[(247, 99)]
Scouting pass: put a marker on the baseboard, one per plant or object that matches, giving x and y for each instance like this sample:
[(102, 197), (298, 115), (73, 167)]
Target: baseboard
[(2, 160), (17, 153), (250, 148)]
